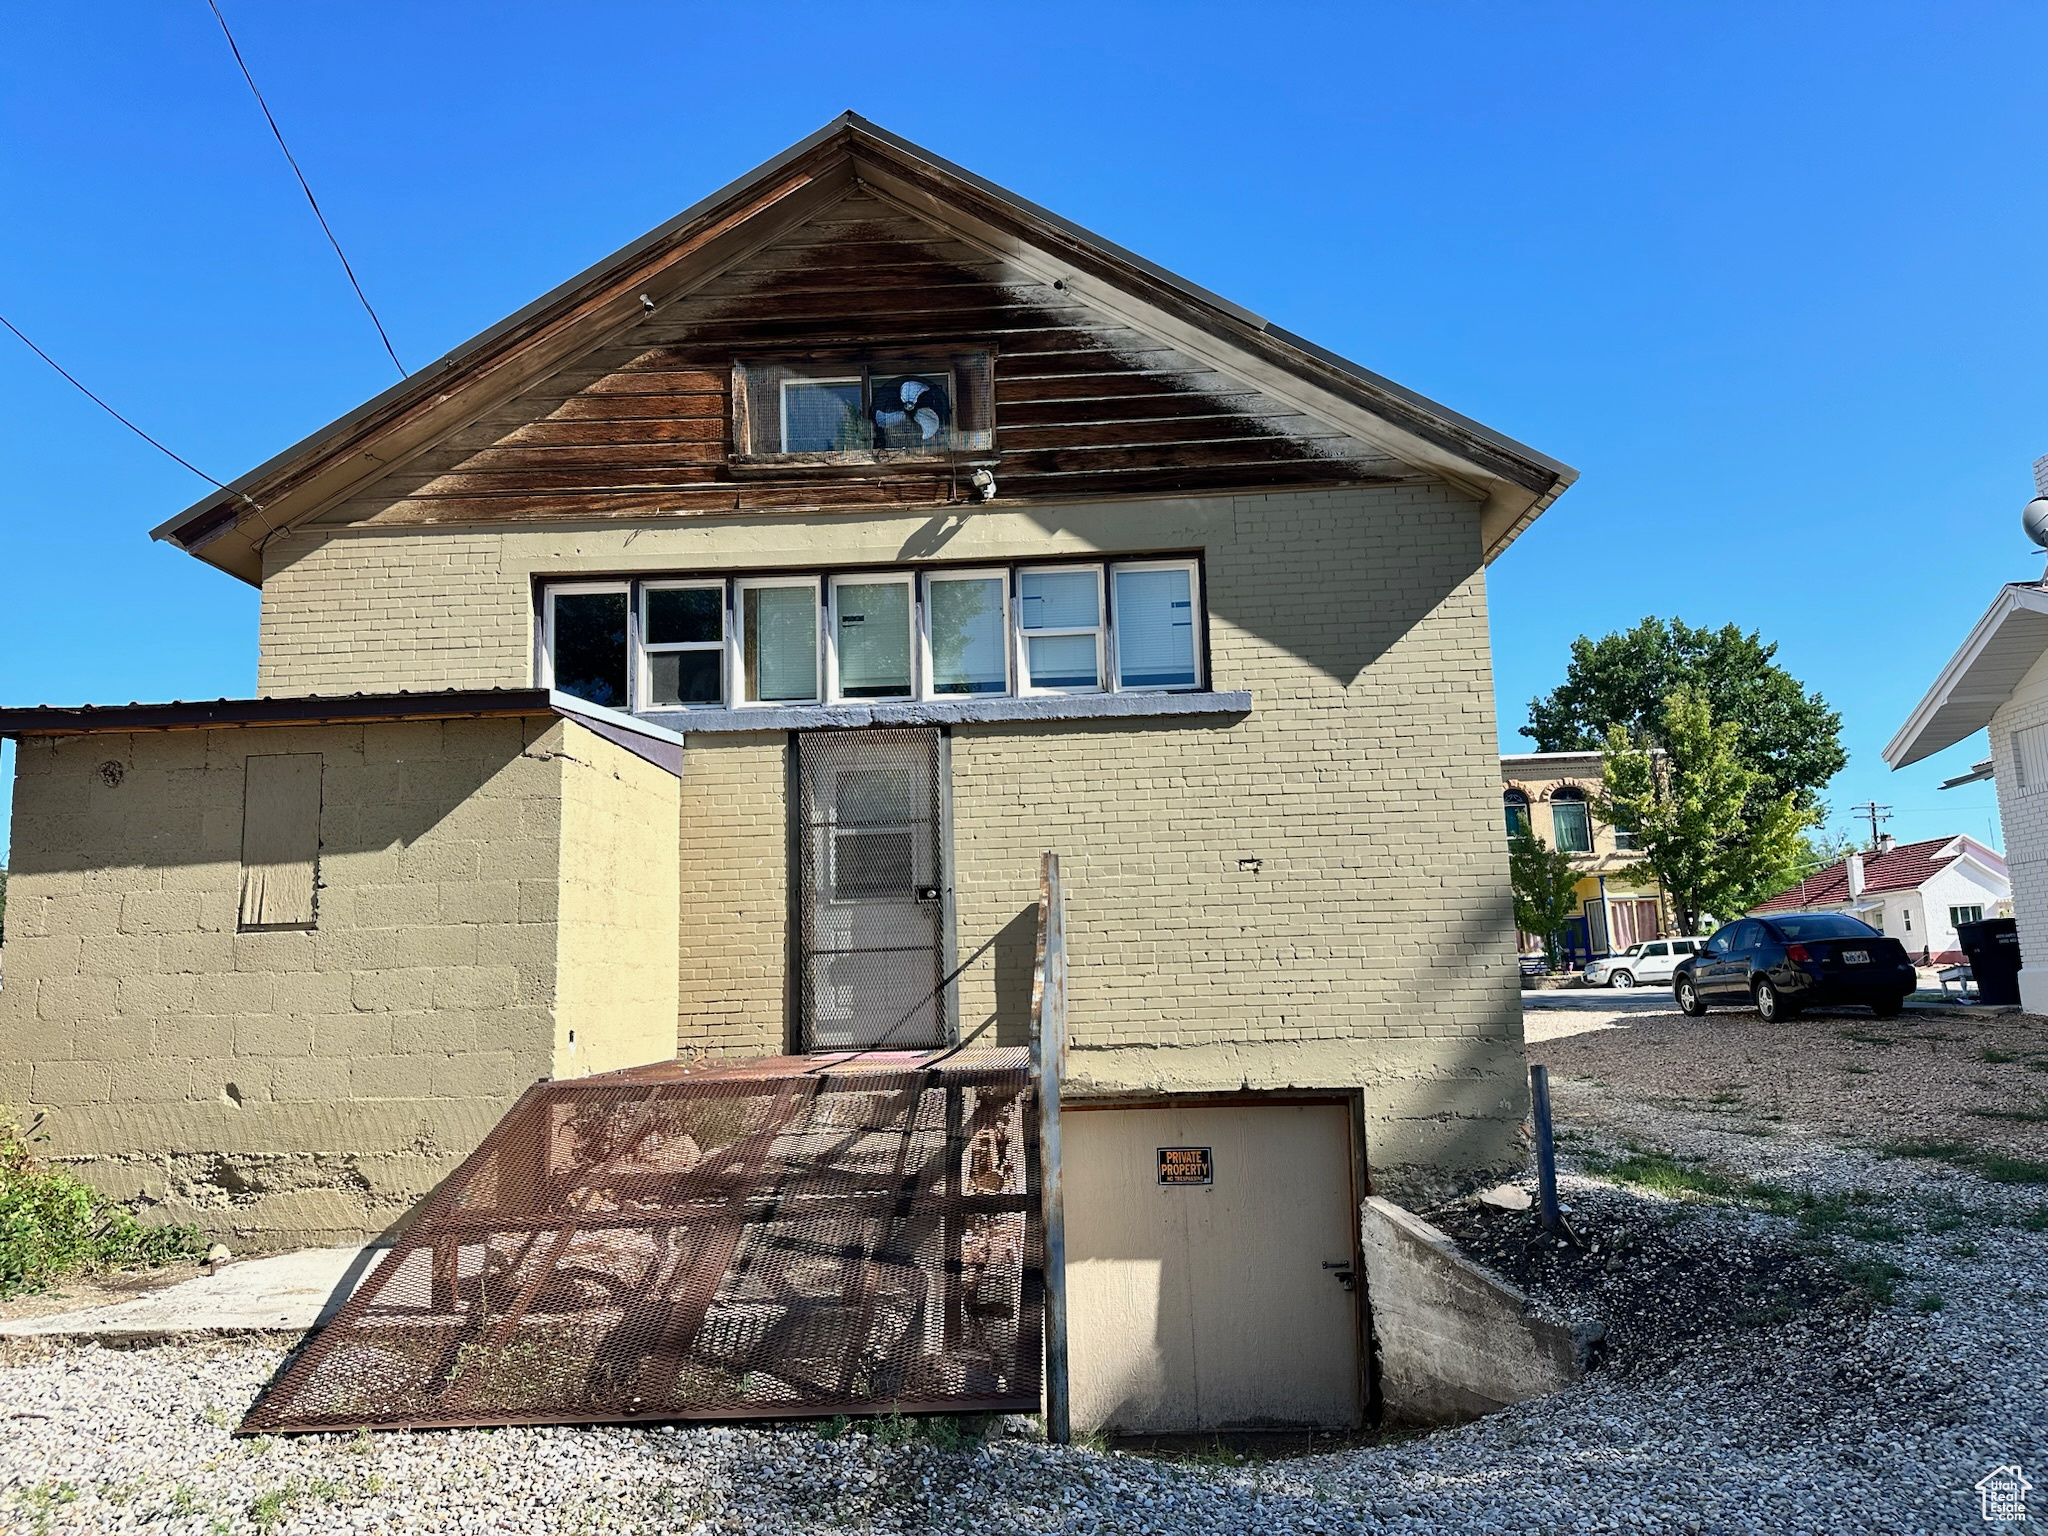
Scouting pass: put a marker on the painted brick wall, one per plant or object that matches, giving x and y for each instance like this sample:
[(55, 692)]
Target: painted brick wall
[(734, 900), (1370, 944)]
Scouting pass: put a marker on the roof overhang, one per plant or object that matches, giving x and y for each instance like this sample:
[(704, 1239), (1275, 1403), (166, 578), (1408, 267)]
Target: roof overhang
[(1981, 676), (227, 528)]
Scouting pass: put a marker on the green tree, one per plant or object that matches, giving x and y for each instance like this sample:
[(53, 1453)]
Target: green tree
[(1708, 824), (1546, 890), (1789, 739), (1818, 849)]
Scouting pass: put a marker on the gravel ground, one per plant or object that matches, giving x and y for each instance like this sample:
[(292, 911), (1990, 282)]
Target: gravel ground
[(1753, 1381), (1843, 1074)]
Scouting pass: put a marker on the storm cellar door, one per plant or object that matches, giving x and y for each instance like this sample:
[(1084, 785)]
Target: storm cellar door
[(872, 884), (1211, 1279)]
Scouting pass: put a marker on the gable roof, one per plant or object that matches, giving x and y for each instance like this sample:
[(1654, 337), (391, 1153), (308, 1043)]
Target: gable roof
[(226, 528), (2008, 640), (1906, 867)]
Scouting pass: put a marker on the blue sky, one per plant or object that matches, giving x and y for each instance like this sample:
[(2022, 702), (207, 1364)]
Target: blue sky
[(1769, 276)]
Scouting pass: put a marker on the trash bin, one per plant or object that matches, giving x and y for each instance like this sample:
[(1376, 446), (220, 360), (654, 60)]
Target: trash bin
[(1994, 950)]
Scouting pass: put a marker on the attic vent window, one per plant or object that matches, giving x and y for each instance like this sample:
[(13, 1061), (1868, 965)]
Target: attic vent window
[(863, 413)]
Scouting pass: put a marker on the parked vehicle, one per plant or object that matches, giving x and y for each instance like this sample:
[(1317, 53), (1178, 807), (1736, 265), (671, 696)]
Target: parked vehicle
[(1799, 960), (1652, 960)]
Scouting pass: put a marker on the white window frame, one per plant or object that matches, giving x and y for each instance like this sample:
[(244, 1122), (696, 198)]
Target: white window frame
[(736, 693), (1196, 610), (1100, 630), (1957, 922), (897, 577), (646, 650), (782, 407), (556, 589), (1000, 575)]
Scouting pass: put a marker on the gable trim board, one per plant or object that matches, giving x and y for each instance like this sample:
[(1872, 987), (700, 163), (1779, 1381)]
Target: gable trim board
[(228, 528)]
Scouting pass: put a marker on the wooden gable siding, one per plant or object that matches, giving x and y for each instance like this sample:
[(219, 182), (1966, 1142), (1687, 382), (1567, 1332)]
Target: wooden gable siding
[(1084, 407)]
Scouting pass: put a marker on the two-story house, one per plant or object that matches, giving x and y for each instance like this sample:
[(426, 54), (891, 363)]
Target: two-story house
[(698, 662)]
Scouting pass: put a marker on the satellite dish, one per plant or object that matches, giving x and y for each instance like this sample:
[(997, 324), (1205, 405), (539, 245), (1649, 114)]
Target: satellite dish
[(2035, 520)]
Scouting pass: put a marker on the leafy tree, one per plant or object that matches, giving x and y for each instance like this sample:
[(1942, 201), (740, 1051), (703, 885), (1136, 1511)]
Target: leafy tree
[(1818, 850), (1546, 889), (1708, 824), (1789, 738)]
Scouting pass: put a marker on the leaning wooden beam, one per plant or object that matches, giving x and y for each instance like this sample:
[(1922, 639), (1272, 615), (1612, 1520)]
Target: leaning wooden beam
[(1048, 1064)]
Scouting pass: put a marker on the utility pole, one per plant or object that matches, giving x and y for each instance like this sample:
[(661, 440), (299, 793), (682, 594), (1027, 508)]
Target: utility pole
[(1877, 814)]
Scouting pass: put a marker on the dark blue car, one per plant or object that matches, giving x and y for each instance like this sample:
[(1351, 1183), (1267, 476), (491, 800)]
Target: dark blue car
[(1779, 965)]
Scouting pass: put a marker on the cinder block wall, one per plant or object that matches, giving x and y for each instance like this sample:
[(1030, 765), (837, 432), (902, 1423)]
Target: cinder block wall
[(1370, 945), (302, 1086)]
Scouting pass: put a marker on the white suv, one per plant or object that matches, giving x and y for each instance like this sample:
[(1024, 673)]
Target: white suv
[(1654, 961)]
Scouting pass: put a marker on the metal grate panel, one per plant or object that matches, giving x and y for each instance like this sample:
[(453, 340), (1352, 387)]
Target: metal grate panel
[(780, 1238), (872, 926)]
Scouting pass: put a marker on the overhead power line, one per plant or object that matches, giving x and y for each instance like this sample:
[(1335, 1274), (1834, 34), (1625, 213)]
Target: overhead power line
[(96, 400), (304, 186)]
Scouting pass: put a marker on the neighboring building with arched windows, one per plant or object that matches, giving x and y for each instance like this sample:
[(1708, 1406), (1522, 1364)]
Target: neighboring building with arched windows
[(1552, 794)]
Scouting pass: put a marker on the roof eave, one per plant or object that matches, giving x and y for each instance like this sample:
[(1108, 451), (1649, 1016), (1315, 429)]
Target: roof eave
[(1916, 739)]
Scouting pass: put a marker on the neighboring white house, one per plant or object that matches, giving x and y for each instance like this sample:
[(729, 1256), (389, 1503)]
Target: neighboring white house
[(1915, 892), (1998, 681)]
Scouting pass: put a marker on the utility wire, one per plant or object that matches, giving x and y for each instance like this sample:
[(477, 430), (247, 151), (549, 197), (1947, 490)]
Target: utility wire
[(306, 187), (96, 400)]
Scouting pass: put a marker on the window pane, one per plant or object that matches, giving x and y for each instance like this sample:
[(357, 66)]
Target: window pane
[(967, 635), (687, 677), (1155, 629), (1062, 661), (679, 616), (866, 865), (822, 417), (868, 797), (1057, 600), (780, 643), (1574, 830), (590, 646), (874, 639)]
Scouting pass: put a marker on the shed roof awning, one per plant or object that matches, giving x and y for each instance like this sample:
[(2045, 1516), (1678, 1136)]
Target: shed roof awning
[(652, 742), (1981, 676)]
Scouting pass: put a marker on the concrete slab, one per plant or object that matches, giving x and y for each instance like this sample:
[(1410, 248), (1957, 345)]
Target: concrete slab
[(281, 1293)]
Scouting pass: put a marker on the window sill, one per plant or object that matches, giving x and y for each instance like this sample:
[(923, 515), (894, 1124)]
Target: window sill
[(869, 461), (911, 712)]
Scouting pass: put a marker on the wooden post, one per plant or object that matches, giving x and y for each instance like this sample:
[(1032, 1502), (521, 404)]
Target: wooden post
[(1048, 1063), (1546, 1148)]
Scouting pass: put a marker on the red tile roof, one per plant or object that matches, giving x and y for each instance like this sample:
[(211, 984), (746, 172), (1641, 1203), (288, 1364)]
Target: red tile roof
[(1905, 868)]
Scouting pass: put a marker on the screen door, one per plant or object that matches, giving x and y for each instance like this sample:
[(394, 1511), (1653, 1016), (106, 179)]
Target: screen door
[(872, 843)]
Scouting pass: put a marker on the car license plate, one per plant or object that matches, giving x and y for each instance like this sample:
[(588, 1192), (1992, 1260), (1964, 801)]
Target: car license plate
[(1855, 957)]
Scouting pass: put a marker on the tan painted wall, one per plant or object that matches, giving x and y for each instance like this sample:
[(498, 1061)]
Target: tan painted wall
[(1373, 946), (303, 1085), (615, 957)]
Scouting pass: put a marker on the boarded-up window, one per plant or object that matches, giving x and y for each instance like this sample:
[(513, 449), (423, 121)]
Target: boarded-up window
[(280, 840)]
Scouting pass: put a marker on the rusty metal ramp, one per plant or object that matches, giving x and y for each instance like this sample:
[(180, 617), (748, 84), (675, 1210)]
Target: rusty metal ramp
[(779, 1238)]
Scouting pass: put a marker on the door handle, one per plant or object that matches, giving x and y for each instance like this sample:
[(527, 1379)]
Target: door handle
[(927, 893), (1342, 1274)]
